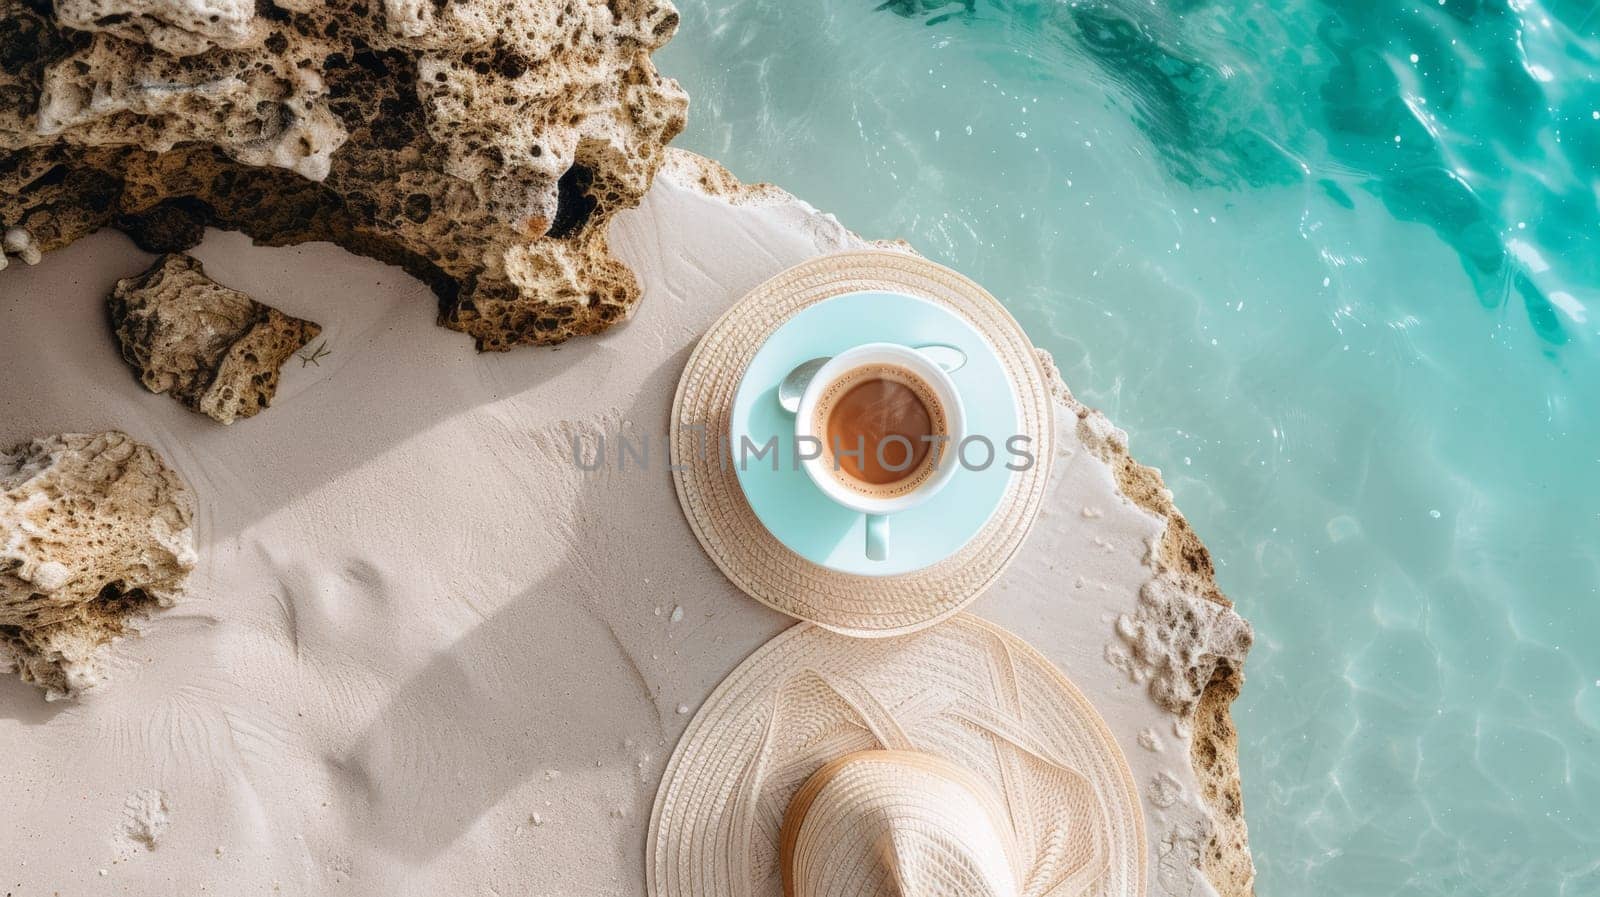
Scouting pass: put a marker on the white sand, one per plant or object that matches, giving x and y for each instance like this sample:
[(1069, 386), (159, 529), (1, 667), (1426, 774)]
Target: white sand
[(422, 653)]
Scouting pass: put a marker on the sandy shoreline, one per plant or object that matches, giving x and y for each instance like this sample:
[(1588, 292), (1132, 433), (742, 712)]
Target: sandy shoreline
[(424, 652)]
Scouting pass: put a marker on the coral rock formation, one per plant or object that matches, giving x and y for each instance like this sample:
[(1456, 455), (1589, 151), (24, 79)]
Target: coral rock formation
[(1175, 641), (94, 528), (1186, 642), (481, 144), (214, 349)]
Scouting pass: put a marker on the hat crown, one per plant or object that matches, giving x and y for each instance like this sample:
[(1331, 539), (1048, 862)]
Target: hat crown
[(897, 824)]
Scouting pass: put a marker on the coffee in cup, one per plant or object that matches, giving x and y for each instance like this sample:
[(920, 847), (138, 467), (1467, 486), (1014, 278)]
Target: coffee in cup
[(885, 418), (883, 429)]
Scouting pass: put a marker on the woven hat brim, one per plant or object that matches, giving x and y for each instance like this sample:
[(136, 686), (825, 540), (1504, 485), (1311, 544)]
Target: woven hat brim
[(967, 691), (731, 533)]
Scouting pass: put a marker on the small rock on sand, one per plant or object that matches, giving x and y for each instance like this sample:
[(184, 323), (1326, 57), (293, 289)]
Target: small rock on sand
[(214, 349), (145, 816)]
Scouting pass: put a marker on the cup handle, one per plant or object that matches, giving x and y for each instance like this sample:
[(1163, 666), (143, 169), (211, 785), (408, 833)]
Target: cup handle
[(877, 537), (950, 358)]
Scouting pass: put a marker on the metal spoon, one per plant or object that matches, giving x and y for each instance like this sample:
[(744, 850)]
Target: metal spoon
[(794, 384)]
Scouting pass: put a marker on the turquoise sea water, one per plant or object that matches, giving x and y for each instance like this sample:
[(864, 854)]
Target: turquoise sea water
[(1335, 266)]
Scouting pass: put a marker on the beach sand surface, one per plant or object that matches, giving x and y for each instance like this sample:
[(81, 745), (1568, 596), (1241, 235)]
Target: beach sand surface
[(423, 652)]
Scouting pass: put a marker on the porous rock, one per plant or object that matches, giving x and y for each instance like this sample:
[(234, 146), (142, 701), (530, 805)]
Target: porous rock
[(1175, 640), (95, 528), (483, 145), (1188, 645), (214, 349)]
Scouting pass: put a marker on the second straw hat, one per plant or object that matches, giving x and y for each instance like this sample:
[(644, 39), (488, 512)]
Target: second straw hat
[(768, 787)]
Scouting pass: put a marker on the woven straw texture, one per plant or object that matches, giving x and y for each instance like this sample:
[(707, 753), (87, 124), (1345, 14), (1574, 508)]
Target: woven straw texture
[(757, 562), (897, 822), (966, 692)]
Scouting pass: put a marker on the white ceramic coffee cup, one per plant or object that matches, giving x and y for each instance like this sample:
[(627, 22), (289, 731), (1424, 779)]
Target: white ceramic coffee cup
[(877, 510)]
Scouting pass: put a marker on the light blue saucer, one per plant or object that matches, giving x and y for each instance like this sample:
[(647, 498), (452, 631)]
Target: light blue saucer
[(795, 511)]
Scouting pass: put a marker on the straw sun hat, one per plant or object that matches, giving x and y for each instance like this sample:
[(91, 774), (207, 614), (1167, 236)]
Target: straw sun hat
[(729, 529), (953, 762)]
